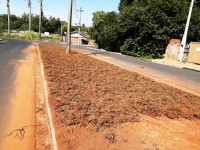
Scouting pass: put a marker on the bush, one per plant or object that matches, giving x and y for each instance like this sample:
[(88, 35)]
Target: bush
[(143, 28), (30, 36)]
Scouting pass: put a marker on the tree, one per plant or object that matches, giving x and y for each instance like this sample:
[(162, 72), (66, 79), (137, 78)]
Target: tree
[(23, 21), (160, 21), (50, 24), (128, 3), (105, 30), (15, 22), (64, 27), (35, 20), (143, 27), (3, 22)]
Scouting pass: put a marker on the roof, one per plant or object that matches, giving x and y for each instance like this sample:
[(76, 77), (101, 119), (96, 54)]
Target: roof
[(76, 34)]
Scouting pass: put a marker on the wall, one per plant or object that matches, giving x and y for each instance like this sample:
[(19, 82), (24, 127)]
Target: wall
[(173, 48), (194, 53)]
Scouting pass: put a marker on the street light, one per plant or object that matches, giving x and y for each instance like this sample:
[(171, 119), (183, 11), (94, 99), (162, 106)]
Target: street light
[(184, 39)]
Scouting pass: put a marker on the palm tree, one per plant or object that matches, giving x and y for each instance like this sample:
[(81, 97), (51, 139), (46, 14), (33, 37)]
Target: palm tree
[(29, 6), (8, 6), (40, 20)]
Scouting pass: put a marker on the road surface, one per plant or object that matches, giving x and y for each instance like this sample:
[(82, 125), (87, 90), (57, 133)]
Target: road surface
[(182, 77), (10, 54), (186, 73)]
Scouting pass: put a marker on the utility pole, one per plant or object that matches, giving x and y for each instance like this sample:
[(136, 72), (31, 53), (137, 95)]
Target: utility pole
[(61, 31), (40, 18), (8, 6), (184, 39), (79, 29), (69, 27), (29, 6)]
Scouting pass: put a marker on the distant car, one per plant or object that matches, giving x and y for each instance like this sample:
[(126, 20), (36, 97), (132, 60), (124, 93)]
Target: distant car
[(85, 41), (1, 41)]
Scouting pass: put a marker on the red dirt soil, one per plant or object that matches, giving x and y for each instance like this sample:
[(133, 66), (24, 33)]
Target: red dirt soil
[(92, 99)]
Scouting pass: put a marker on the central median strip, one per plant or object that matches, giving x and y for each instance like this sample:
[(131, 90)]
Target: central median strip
[(52, 130), (88, 94)]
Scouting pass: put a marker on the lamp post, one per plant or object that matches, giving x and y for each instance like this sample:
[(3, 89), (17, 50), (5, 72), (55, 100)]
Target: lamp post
[(184, 39)]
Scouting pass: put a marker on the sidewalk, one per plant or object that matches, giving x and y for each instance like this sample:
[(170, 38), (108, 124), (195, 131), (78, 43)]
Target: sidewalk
[(179, 64), (161, 77)]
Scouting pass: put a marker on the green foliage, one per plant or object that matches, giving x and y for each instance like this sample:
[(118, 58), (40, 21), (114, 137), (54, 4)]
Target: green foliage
[(50, 24), (105, 30), (143, 27), (32, 36), (3, 22), (64, 27), (98, 18), (5, 34)]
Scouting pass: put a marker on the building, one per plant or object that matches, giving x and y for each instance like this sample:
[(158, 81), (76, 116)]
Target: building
[(77, 38)]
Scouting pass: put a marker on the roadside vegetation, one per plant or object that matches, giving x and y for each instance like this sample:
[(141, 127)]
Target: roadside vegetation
[(26, 35), (21, 23), (142, 28), (20, 26)]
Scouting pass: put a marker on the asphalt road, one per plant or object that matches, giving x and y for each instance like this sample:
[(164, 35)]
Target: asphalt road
[(10, 54), (192, 76)]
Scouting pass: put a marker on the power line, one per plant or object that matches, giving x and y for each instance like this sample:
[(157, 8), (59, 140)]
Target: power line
[(74, 8)]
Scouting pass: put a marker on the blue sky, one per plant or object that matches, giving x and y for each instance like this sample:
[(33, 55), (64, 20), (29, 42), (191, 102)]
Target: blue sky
[(59, 8)]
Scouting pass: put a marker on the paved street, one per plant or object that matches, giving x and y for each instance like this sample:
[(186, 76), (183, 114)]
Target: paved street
[(181, 77), (10, 54), (192, 75)]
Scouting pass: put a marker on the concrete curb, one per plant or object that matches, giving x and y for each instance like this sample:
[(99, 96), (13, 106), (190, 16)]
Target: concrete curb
[(52, 130)]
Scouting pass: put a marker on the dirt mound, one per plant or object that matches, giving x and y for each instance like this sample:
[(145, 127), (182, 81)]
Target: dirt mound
[(86, 91)]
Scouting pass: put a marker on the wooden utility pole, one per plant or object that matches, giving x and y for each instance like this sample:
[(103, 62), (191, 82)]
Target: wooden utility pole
[(8, 6), (40, 19), (61, 31), (79, 29), (68, 50), (29, 6), (184, 39)]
